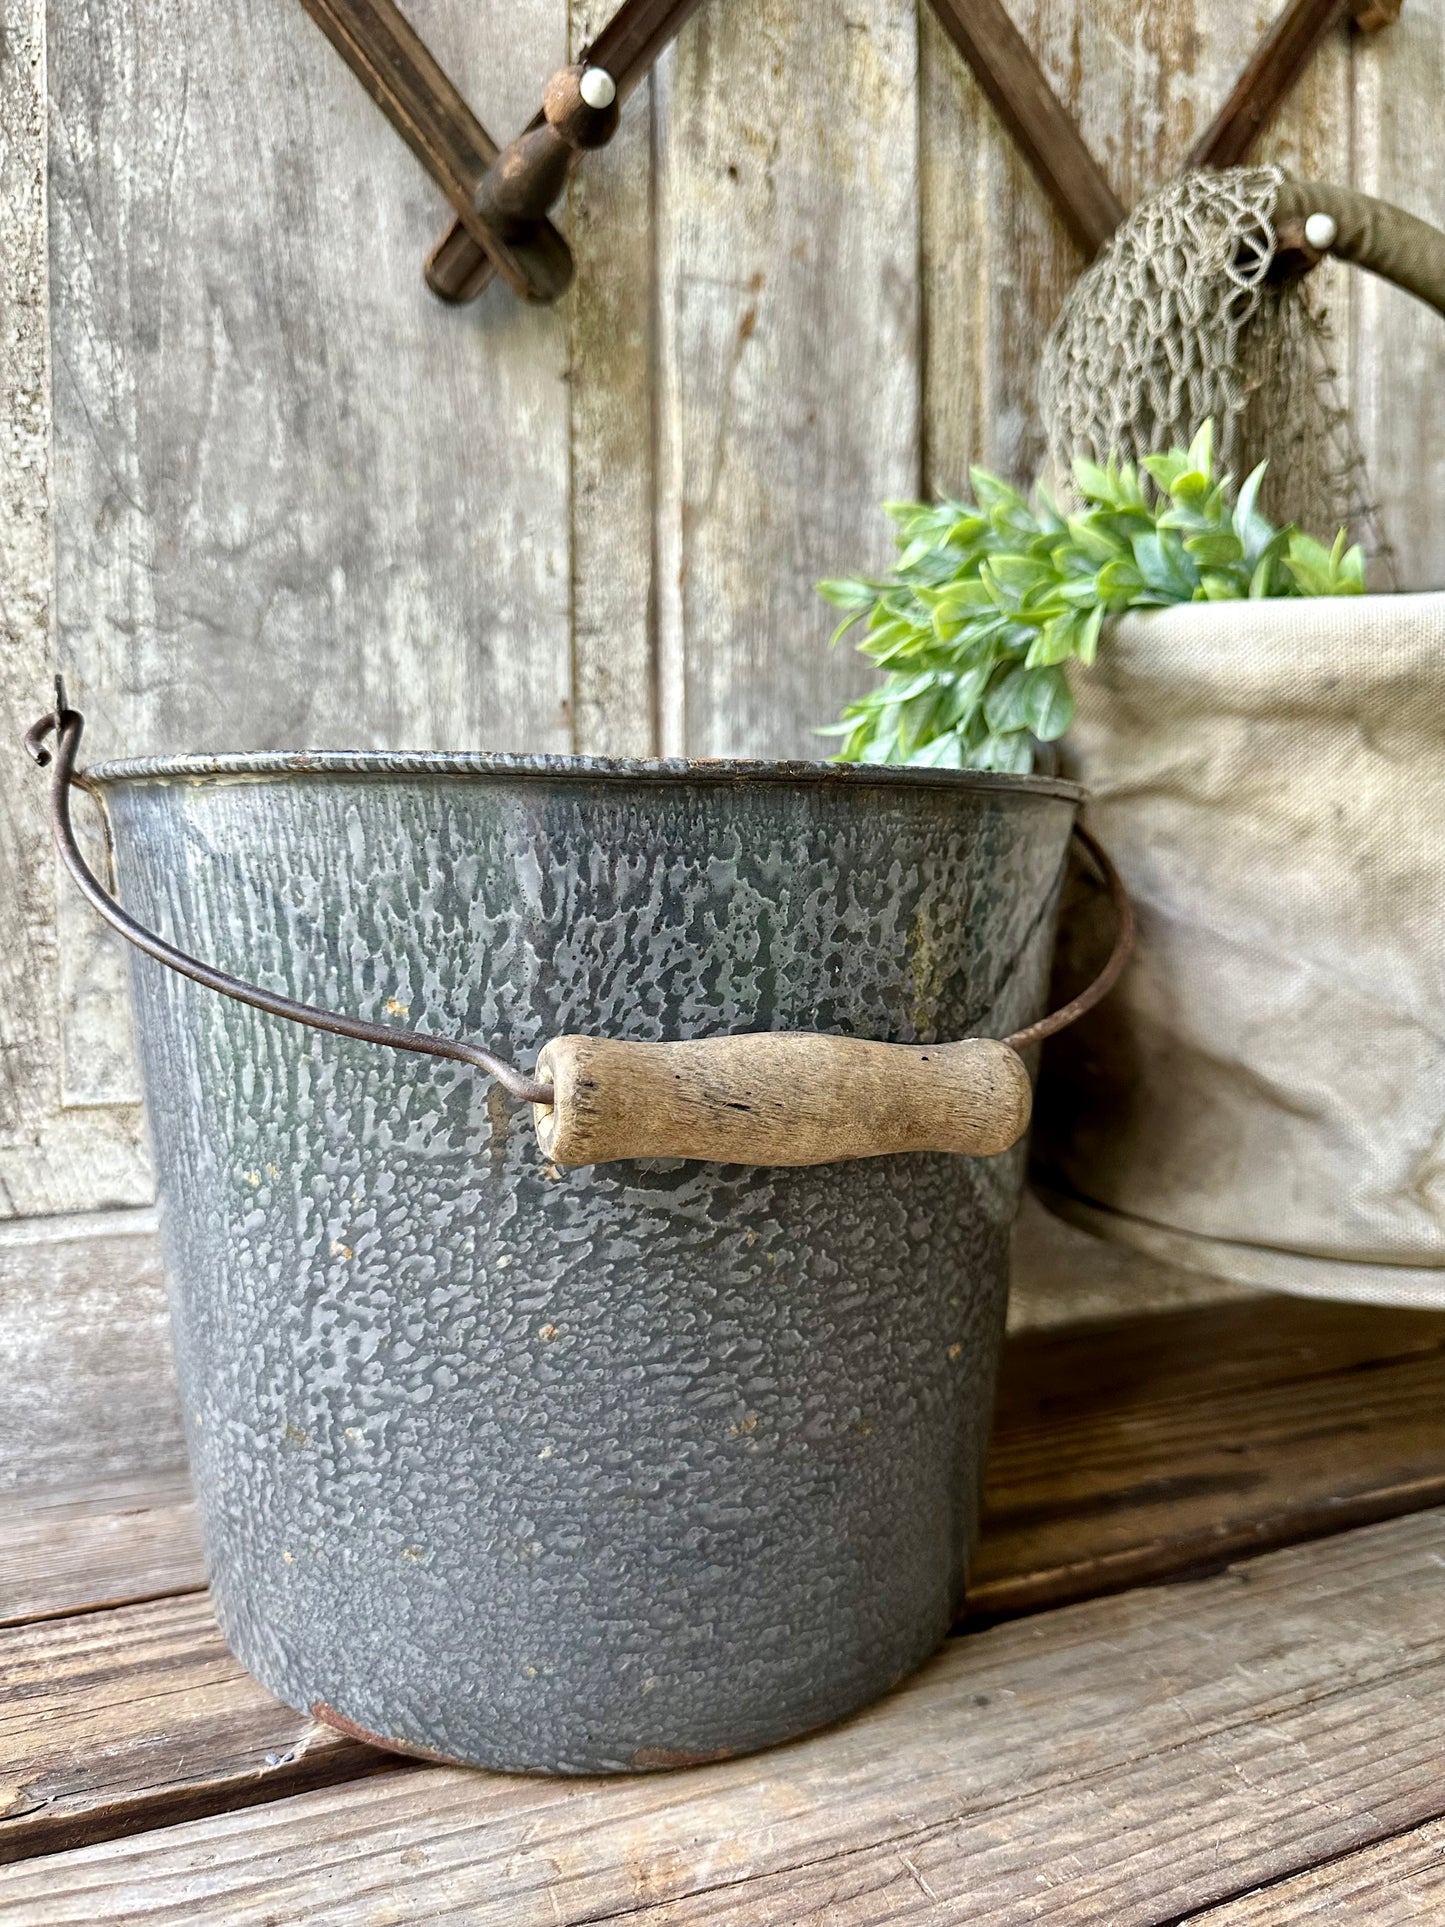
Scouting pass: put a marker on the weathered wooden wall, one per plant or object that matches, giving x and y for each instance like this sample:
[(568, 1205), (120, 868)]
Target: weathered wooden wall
[(290, 499)]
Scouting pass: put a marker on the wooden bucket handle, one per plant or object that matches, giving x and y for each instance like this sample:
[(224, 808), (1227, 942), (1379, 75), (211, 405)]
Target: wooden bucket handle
[(800, 1097)]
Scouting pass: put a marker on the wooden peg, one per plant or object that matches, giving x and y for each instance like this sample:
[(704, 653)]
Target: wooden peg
[(397, 70), (1370, 15), (626, 49), (579, 112)]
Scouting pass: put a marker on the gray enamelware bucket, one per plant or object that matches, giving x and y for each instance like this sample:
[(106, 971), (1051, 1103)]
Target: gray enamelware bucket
[(592, 1469)]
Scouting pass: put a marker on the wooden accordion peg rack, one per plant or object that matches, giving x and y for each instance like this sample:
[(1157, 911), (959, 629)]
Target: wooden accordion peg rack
[(501, 197)]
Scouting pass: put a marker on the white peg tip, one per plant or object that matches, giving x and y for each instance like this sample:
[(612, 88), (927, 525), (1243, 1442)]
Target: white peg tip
[(597, 88), (1322, 231)]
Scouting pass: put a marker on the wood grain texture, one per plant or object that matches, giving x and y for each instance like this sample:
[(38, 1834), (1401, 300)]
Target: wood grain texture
[(1035, 119), (779, 1098), (1126, 1760), (788, 384), (55, 1155), (87, 1393), (297, 500), (400, 73), (1396, 1883), (1135, 1450), (99, 1545), (24, 558), (611, 341), (140, 1716), (279, 518), (1279, 62), (626, 47), (1399, 347)]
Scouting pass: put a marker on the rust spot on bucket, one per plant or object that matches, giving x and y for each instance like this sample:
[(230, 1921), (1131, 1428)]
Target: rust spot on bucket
[(338, 1722), (650, 1758)]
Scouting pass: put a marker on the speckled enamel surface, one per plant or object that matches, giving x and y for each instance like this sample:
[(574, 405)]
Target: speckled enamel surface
[(595, 1469)]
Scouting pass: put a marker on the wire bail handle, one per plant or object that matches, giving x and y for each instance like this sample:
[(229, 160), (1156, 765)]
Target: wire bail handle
[(764, 1097)]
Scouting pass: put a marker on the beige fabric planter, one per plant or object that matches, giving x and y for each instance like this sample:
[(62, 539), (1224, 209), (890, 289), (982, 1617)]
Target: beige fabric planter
[(1264, 1095)]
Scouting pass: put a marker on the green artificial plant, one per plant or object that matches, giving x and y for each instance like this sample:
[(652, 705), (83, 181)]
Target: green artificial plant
[(990, 599)]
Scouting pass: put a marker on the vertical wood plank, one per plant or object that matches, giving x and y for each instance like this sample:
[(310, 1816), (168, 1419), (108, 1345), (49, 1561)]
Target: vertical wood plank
[(1400, 348), (788, 253), (53, 1155), (1142, 82), (297, 499), (610, 316), (28, 948)]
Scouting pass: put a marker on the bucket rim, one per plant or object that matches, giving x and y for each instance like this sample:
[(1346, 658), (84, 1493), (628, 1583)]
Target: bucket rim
[(242, 765)]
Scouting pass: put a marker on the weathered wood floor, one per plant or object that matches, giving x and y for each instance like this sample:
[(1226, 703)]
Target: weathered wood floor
[(1202, 1678)]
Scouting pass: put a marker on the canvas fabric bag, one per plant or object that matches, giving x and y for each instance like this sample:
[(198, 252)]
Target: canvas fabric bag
[(1263, 1097)]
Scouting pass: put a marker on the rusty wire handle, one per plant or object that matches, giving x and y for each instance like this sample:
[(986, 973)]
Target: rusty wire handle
[(947, 1080), (66, 725), (1098, 990)]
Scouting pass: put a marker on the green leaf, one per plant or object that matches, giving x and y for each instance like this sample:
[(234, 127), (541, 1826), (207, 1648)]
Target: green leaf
[(1253, 530), (1011, 752), (912, 686), (1310, 565), (1192, 487), (1048, 703), (906, 512), (961, 702), (1089, 633), (1118, 584), (1167, 569), (1215, 549), (1166, 469), (885, 636), (1217, 586), (994, 493), (1351, 574), (944, 752), (1004, 705), (1017, 573), (1057, 641), (918, 550), (849, 592), (1095, 484), (1092, 537)]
